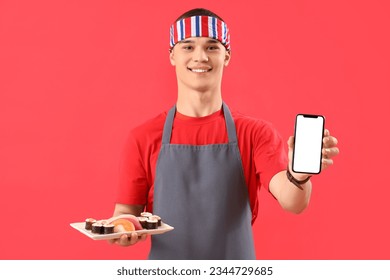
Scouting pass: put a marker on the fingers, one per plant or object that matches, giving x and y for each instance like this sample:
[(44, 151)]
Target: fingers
[(326, 132), (328, 140), (128, 240), (142, 237), (111, 241), (124, 240), (329, 150), (326, 163), (328, 153)]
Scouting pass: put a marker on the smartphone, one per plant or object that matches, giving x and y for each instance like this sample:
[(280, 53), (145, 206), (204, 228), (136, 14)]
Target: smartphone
[(307, 152)]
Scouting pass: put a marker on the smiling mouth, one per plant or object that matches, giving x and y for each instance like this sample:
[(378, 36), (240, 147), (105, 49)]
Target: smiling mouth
[(199, 70)]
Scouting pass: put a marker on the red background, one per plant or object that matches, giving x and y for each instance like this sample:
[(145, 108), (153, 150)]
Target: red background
[(76, 76)]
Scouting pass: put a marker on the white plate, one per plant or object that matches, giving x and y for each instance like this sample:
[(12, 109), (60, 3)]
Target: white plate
[(95, 236)]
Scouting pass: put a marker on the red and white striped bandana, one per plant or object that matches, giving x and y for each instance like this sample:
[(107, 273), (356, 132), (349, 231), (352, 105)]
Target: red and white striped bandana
[(200, 26)]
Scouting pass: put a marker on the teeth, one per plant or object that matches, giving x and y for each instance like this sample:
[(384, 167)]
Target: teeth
[(199, 70)]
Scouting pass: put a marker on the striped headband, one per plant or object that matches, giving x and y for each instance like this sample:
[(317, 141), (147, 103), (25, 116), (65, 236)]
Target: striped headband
[(200, 26)]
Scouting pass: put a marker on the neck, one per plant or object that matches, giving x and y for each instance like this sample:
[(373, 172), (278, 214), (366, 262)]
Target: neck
[(193, 103)]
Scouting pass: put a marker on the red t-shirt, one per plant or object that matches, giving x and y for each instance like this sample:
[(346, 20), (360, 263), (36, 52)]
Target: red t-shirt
[(261, 147)]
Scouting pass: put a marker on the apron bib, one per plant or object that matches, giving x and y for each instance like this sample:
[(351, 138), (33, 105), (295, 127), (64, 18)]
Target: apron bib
[(201, 192)]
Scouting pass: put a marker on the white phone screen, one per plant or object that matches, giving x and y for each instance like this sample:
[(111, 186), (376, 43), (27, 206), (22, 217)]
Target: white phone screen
[(307, 155)]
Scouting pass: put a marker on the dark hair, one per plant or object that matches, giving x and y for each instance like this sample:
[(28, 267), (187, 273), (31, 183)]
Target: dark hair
[(198, 12)]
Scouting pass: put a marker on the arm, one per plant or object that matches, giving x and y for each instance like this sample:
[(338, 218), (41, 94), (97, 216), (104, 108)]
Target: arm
[(128, 209), (132, 184), (289, 196)]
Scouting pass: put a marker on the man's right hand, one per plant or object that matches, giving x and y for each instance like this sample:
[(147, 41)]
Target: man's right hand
[(128, 240)]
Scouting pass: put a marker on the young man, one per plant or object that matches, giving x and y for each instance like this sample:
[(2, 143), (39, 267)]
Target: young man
[(199, 166)]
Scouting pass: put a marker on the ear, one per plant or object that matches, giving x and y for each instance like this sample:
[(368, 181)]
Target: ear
[(172, 58), (228, 55)]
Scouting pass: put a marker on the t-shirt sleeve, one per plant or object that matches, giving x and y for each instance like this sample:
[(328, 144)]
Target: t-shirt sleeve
[(269, 154), (133, 186)]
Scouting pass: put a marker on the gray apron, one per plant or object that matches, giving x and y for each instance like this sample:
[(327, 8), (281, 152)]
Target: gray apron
[(201, 192)]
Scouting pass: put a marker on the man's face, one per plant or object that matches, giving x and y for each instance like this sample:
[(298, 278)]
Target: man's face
[(199, 63)]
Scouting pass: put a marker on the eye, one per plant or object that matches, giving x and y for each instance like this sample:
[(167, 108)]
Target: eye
[(213, 47), (187, 47)]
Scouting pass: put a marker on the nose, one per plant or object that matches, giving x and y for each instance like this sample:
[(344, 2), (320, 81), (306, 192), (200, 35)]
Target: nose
[(200, 55)]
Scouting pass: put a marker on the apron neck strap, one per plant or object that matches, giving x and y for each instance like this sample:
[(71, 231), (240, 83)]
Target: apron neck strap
[(230, 126), (167, 132)]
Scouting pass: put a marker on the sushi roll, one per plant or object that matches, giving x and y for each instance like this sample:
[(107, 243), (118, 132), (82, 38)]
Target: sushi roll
[(108, 228), (146, 214), (142, 221), (158, 218), (88, 223), (97, 228), (151, 223)]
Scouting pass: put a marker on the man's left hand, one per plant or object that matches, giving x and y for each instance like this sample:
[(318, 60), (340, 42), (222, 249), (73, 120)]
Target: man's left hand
[(329, 150)]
